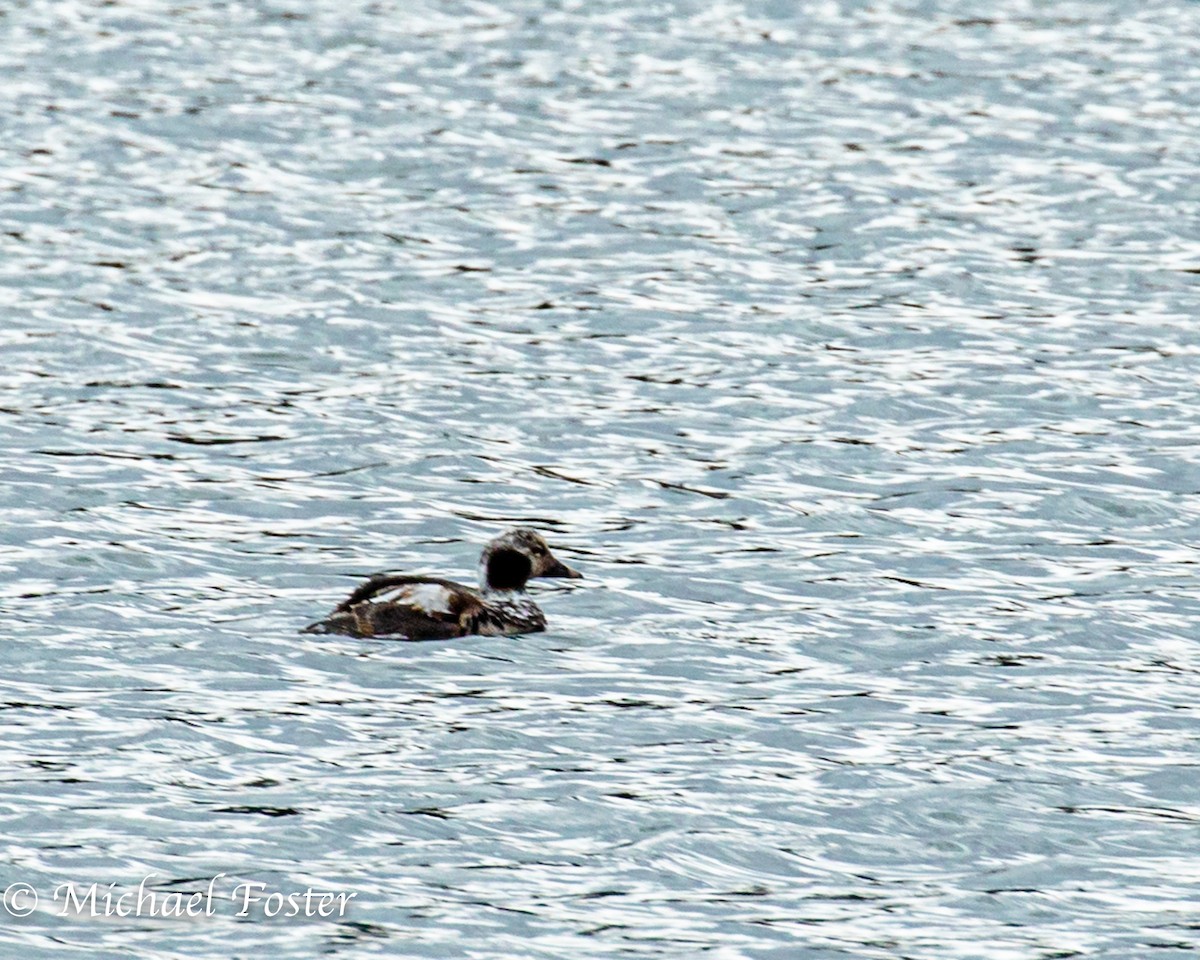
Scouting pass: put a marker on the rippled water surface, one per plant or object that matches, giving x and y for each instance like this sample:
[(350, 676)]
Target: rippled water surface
[(849, 349)]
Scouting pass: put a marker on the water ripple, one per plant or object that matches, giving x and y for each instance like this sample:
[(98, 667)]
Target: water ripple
[(846, 347)]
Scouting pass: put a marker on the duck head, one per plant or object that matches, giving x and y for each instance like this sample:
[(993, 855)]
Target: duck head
[(516, 557)]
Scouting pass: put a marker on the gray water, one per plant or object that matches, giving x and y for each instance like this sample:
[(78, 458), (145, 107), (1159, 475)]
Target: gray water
[(849, 349)]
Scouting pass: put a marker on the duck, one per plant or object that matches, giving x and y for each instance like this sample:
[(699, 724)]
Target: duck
[(429, 608)]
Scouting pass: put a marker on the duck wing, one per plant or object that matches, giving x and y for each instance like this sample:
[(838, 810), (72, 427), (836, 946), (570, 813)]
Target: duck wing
[(387, 583), (416, 608)]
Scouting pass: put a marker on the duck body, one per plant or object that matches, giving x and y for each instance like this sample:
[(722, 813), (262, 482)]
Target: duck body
[(429, 608)]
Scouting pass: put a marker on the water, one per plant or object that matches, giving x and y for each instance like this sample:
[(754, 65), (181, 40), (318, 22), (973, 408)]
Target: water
[(848, 349)]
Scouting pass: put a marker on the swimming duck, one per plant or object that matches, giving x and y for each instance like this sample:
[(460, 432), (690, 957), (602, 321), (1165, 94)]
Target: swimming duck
[(427, 608)]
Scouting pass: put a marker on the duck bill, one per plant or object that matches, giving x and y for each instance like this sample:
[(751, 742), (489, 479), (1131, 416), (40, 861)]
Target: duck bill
[(560, 569)]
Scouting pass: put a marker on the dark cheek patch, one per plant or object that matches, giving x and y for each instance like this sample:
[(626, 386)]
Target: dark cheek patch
[(508, 570)]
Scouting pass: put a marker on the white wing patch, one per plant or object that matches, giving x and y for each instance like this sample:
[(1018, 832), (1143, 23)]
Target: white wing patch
[(430, 598)]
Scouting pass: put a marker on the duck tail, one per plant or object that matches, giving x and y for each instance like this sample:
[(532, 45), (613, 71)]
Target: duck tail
[(335, 623)]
